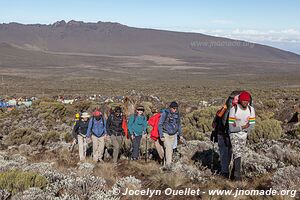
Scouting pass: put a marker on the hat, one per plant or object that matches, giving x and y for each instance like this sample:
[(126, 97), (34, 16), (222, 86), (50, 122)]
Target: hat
[(174, 104), (96, 113), (244, 96), (140, 108), (85, 115)]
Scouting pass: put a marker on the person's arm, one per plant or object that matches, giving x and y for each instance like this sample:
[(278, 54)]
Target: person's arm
[(233, 128), (75, 130), (160, 124), (130, 123), (252, 121), (89, 130)]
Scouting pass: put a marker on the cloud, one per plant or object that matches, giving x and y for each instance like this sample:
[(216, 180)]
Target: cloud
[(221, 21), (252, 35)]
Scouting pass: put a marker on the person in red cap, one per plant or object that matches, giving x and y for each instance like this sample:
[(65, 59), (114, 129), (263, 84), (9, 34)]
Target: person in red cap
[(241, 121), (97, 131)]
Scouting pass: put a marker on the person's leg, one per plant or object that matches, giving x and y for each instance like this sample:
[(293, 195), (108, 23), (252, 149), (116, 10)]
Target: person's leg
[(159, 148), (80, 147), (84, 147), (101, 143), (120, 142), (95, 148), (175, 142), (115, 148), (238, 141), (224, 155), (169, 141), (136, 147), (237, 168)]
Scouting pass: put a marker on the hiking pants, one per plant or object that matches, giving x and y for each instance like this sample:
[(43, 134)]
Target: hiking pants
[(82, 146), (225, 153), (175, 142), (159, 148), (98, 148), (136, 146), (238, 142), (168, 143), (117, 143)]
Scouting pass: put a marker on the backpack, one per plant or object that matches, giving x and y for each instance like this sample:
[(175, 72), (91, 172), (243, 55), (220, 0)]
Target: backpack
[(222, 115), (94, 122), (171, 122)]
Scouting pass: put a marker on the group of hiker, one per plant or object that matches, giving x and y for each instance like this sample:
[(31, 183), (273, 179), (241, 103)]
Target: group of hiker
[(96, 129), (232, 124)]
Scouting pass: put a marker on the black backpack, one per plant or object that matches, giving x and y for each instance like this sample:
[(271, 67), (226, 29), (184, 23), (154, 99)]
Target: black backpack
[(222, 125)]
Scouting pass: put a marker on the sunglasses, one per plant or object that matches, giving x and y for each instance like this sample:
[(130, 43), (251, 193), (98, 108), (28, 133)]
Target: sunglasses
[(140, 110)]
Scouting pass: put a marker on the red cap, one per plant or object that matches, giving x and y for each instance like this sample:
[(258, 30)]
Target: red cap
[(97, 113), (244, 96)]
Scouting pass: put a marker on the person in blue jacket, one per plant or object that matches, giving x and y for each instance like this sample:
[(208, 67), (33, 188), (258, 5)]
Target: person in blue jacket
[(169, 129), (137, 126), (97, 131)]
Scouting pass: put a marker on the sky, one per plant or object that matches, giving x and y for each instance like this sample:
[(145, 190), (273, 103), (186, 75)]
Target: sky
[(275, 23)]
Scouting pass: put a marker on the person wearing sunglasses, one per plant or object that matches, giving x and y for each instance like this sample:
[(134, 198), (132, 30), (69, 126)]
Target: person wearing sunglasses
[(137, 126)]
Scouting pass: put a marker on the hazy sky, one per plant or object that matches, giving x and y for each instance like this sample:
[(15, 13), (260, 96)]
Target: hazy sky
[(275, 23)]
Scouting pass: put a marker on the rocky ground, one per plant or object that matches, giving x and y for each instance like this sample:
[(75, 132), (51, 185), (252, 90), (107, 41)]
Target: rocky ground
[(36, 161)]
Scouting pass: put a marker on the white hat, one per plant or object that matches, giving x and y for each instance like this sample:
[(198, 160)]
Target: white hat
[(85, 115)]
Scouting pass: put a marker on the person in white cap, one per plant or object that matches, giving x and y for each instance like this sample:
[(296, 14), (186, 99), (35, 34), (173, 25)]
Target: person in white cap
[(79, 134)]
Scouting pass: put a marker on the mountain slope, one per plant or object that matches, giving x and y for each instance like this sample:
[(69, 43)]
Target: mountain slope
[(116, 39)]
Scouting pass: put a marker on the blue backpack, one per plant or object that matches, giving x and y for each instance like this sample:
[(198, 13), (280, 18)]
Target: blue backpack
[(172, 122)]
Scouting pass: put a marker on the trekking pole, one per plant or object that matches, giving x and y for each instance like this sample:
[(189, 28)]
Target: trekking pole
[(146, 156), (212, 154)]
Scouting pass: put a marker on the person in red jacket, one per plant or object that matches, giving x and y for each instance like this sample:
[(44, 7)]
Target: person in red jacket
[(154, 135)]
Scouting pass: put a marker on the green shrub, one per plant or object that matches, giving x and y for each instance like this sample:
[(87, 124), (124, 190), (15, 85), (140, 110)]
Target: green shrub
[(16, 181), (271, 104), (201, 119), (51, 136), (191, 133), (23, 136), (267, 129)]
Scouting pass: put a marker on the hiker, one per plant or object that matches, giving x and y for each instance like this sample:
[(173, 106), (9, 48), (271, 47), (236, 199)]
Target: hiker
[(220, 134), (154, 135), (79, 134), (241, 121), (115, 131), (97, 132), (137, 126), (77, 118), (169, 128)]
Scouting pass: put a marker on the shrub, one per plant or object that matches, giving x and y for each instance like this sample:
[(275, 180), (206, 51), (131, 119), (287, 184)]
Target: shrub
[(267, 129), (271, 104), (191, 133), (23, 136), (16, 181), (201, 119)]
